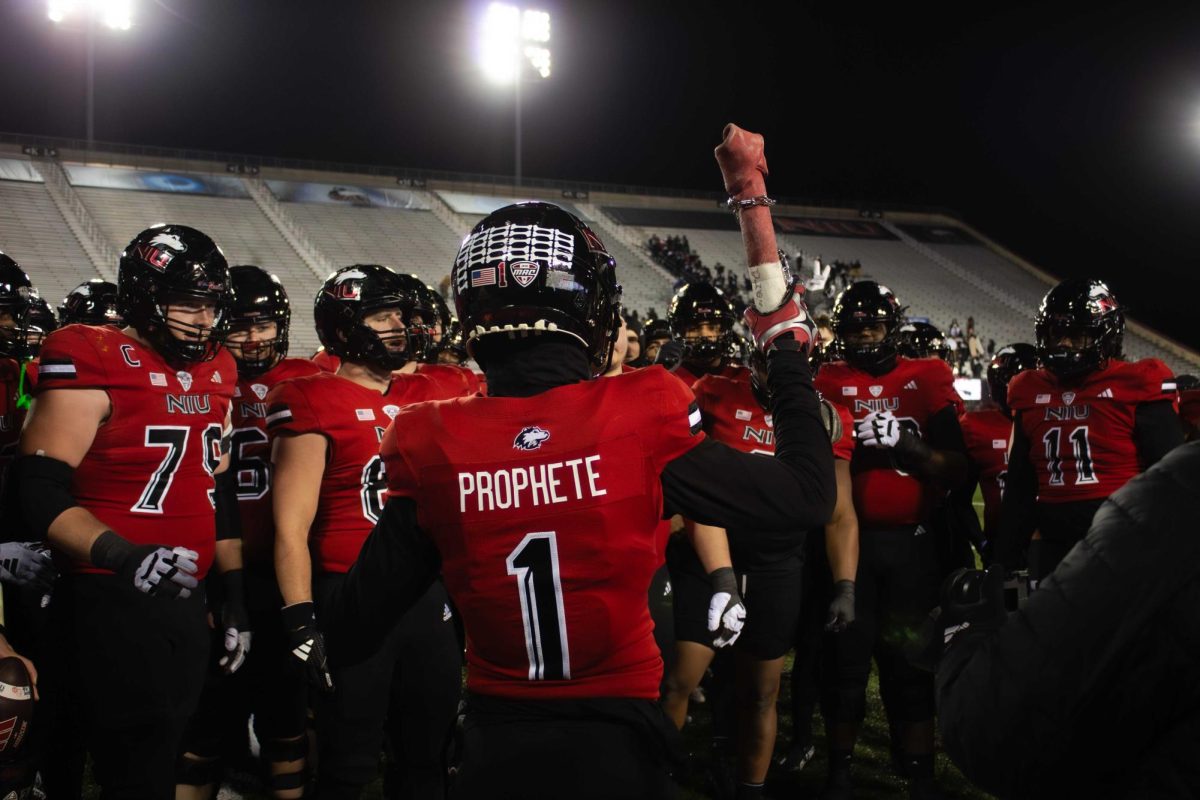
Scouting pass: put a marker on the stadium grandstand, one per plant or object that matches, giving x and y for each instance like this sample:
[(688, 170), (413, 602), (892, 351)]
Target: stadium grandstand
[(66, 211)]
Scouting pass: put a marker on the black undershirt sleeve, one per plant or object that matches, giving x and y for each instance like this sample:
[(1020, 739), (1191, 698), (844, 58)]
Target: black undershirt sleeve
[(1020, 499), (395, 567), (1156, 431), (794, 490)]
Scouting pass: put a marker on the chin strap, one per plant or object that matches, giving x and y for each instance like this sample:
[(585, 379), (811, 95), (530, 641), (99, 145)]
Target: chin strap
[(24, 398)]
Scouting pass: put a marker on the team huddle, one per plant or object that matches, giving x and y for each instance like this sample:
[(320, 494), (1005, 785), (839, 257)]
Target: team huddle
[(201, 528)]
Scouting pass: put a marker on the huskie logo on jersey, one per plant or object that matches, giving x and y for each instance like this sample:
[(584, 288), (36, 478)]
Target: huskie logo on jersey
[(517, 245), (160, 251), (531, 437), (185, 380)]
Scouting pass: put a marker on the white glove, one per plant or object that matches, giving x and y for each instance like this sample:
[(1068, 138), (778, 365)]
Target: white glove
[(27, 564), (878, 429), (819, 278), (237, 645), (168, 572), (726, 611)]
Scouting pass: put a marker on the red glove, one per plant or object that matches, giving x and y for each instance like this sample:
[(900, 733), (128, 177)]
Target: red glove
[(791, 318)]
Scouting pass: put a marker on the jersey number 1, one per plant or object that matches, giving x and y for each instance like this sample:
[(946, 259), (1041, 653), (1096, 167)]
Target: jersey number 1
[(534, 562)]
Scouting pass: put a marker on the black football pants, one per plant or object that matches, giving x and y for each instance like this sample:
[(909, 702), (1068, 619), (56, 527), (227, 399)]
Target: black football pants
[(138, 665), (896, 587), (409, 690)]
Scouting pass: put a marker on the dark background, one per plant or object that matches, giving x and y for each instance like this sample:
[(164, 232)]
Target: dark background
[(1069, 136)]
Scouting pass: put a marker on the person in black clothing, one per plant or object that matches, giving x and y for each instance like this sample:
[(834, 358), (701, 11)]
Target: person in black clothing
[(1092, 689)]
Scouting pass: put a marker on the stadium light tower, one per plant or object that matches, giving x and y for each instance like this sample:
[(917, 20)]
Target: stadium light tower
[(514, 43), (116, 15)]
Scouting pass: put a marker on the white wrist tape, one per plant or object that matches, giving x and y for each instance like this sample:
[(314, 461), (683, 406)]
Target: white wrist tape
[(770, 283)]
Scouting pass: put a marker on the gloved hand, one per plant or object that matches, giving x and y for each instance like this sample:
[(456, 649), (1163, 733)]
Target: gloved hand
[(819, 278), (878, 429), (726, 611), (153, 569), (669, 354), (236, 622), (790, 321), (308, 644), (972, 608), (841, 608), (27, 564)]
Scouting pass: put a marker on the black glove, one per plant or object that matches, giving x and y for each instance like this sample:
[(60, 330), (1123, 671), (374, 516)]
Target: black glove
[(151, 568), (726, 611), (841, 608), (27, 564), (669, 354), (972, 609), (236, 622), (308, 644)]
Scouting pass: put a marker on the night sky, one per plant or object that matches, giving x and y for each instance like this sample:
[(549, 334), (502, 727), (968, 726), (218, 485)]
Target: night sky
[(1069, 137)]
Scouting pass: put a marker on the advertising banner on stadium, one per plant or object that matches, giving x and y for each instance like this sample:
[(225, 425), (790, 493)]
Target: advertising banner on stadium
[(939, 234), (18, 169), (138, 180), (484, 204), (343, 194), (673, 218), (820, 226)]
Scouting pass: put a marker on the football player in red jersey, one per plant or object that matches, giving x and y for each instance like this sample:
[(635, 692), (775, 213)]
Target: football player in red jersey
[(543, 519), (701, 322), (1083, 425), (270, 685), (330, 487), (986, 433), (711, 577), (123, 462), (909, 453)]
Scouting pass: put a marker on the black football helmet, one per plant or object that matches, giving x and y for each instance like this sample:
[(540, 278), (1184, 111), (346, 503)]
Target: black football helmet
[(258, 297), (169, 263), (1086, 311), (1007, 362), (420, 316), (868, 303), (694, 304), (922, 340), (347, 297), (532, 269), (41, 322), (92, 302), (16, 292)]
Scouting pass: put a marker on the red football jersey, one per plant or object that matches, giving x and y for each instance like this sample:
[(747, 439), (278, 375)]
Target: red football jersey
[(547, 511), (986, 434), (149, 472), (251, 456), (729, 370), (732, 414), (352, 418), (915, 390), (448, 372), (1081, 436), (326, 361)]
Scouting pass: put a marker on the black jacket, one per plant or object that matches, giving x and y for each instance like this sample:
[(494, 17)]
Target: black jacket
[(1093, 689)]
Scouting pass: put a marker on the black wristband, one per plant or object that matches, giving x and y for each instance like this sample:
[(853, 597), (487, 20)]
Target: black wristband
[(233, 587), (299, 615), (843, 587), (110, 551), (723, 579)]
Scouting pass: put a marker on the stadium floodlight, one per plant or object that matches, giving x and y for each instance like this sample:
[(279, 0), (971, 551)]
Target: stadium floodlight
[(114, 14), (510, 37)]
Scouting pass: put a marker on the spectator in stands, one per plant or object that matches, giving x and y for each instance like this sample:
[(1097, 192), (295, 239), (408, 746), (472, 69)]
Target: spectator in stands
[(632, 332)]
